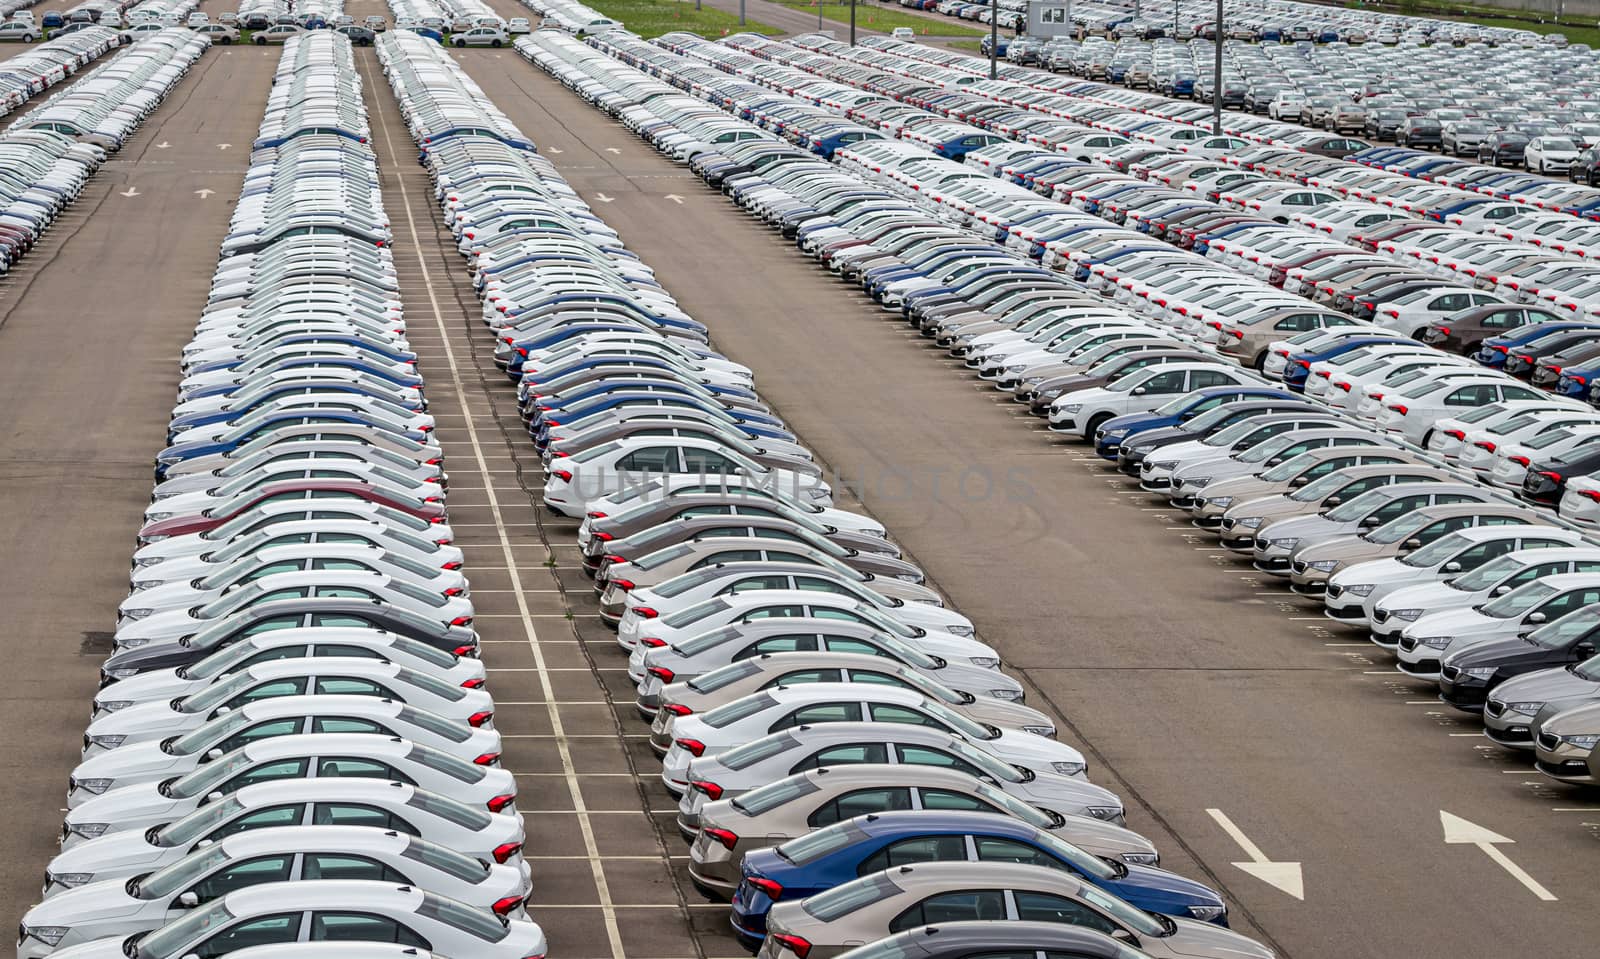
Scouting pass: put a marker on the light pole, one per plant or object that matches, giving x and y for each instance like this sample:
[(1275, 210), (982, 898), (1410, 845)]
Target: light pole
[(994, 38), (1216, 79), (852, 22)]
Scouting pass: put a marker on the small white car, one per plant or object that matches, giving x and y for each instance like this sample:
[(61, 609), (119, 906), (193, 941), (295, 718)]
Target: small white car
[(1545, 155), (19, 30), (1141, 391), (1425, 642), (518, 25), (903, 33), (480, 37)]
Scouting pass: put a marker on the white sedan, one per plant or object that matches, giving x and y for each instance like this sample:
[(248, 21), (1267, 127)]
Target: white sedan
[(1081, 412), (606, 469), (1413, 410), (267, 517), (121, 909), (1427, 641)]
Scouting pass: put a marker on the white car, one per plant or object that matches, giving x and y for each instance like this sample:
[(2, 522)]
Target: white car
[(300, 756), (327, 801), (1401, 608), (184, 752), (1427, 641), (787, 707), (609, 468), (19, 30), (1413, 410), (518, 25), (1511, 462), (1545, 155), (266, 516), (1416, 311), (320, 675), (293, 854), (903, 33), (294, 642), (330, 910), (1081, 412)]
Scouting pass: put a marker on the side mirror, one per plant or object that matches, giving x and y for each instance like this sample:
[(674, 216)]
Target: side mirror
[(1371, 521), (1333, 501), (189, 900), (1412, 543), (1537, 617), (1583, 650), (1299, 481), (1123, 935), (213, 753), (1138, 391), (1499, 591), (1450, 567), (214, 795)]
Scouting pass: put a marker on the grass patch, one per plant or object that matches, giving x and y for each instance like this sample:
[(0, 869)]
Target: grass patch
[(870, 16), (652, 18), (1578, 30), (971, 46)]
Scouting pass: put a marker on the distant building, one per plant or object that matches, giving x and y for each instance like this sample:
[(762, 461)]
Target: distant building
[(1048, 19)]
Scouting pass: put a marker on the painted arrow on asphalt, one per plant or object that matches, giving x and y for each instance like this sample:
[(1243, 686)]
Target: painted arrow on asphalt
[(223, 146), (612, 150), (1285, 876), (603, 198), (1460, 832), (163, 145), (130, 191), (554, 150), (675, 198), (202, 194)]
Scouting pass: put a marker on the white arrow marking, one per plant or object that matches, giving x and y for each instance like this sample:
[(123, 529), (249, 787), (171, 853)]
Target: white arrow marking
[(223, 146), (202, 194), (675, 198), (603, 198), (1458, 831), (554, 150), (130, 191), (1284, 876), (163, 145), (612, 150)]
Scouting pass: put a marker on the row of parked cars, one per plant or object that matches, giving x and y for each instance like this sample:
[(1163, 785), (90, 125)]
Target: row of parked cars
[(31, 72), (1311, 493), (293, 754), (850, 758), (48, 153)]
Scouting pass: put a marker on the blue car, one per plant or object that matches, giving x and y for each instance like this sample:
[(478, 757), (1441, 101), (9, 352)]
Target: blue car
[(323, 388), (1115, 431), (705, 394), (355, 365), (228, 442), (837, 854), (1299, 366), (1497, 349), (357, 342)]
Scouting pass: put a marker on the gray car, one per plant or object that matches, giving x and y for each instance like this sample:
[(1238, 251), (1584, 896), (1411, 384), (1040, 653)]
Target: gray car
[(1312, 564), (733, 772), (1274, 542), (855, 550), (791, 669), (1564, 738), (1270, 461), (933, 893), (795, 805), (1515, 706), (1240, 522), (972, 940)]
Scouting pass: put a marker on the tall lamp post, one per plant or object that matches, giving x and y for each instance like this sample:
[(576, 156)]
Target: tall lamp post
[(1216, 79), (852, 22), (994, 37)]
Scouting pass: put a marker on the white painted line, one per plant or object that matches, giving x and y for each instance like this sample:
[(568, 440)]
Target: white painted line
[(585, 827)]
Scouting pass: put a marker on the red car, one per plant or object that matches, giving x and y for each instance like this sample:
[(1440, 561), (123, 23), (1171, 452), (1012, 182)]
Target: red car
[(431, 509)]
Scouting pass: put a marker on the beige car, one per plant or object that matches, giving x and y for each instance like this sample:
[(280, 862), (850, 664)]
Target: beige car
[(1214, 500), (747, 676), (935, 893), (792, 807), (1311, 565), (1246, 343), (1241, 522)]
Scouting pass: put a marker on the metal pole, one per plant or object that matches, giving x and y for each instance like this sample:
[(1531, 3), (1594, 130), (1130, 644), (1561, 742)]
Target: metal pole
[(994, 37), (1216, 79), (1175, 6), (852, 22), (741, 12)]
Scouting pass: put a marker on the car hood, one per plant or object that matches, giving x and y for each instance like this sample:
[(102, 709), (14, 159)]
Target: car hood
[(1546, 685), (1206, 941), (1160, 891), (1429, 596), (108, 948), (94, 902), (1308, 529), (1512, 651), (144, 721), (1345, 549), (1457, 623), (117, 855), (1034, 752), (1566, 718), (137, 804)]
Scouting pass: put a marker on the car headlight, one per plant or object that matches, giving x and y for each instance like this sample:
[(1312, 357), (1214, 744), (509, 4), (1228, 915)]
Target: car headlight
[(1434, 642), (815, 493), (1141, 858), (1206, 913), (1480, 672), (132, 614), (1008, 695), (169, 460), (963, 631), (1168, 466), (107, 742), (1325, 565), (1072, 408), (89, 830), (1585, 741), (133, 642), (1145, 450), (113, 706), (157, 517), (123, 673), (908, 577), (49, 935), (1200, 482), (1408, 615), (1050, 394), (69, 879), (1361, 589), (1526, 709), (1106, 813), (139, 584), (1288, 542), (1221, 502), (1113, 434), (1046, 731), (1068, 769), (95, 786), (986, 662), (142, 563), (158, 537)]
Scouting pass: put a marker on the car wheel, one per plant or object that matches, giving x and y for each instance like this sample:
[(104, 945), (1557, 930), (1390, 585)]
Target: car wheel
[(1261, 362), (495, 43), (461, 43), (1093, 425), (261, 41), (226, 40)]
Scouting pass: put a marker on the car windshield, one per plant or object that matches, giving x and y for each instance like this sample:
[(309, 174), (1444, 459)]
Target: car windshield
[(741, 708), (1130, 915), (1229, 435), (724, 676), (209, 776), (678, 585), (814, 845), (958, 722), (663, 556), (181, 874), (709, 640), (1398, 529), (215, 695), (741, 757), (450, 810), (595, 452), (1437, 552), (230, 601), (696, 613), (198, 823), (222, 661), (203, 737), (1289, 468), (1266, 450), (1423, 389), (476, 922), (1566, 630), (841, 901), (771, 796), (242, 546), (1518, 601), (171, 939), (1487, 411), (1088, 864), (1589, 669), (446, 860)]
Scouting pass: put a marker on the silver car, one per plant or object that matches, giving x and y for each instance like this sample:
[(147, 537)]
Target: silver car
[(1275, 542)]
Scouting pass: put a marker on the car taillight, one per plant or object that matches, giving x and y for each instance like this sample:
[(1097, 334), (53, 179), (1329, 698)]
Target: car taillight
[(1343, 386), (506, 850), (604, 537), (1393, 313), (623, 584), (800, 947), (677, 709), (504, 907), (1458, 434), (614, 558), (1520, 460), (1442, 330), (651, 642), (662, 673), (694, 746), (595, 514), (1552, 477), (728, 839), (451, 565), (1500, 349), (1303, 364), (1485, 445), (480, 717), (465, 649), (1400, 408), (476, 683), (454, 591), (501, 802), (566, 476), (461, 621), (772, 889), (646, 612)]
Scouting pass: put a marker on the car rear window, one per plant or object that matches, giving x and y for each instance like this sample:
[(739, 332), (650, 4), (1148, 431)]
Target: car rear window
[(841, 901), (814, 845), (771, 796), (741, 757)]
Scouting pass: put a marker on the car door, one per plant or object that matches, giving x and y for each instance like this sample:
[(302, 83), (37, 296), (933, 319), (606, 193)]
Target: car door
[(954, 906), (337, 925), (843, 754), (859, 802), (359, 814), (236, 875), (1562, 604), (256, 931), (1034, 906), (910, 851)]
